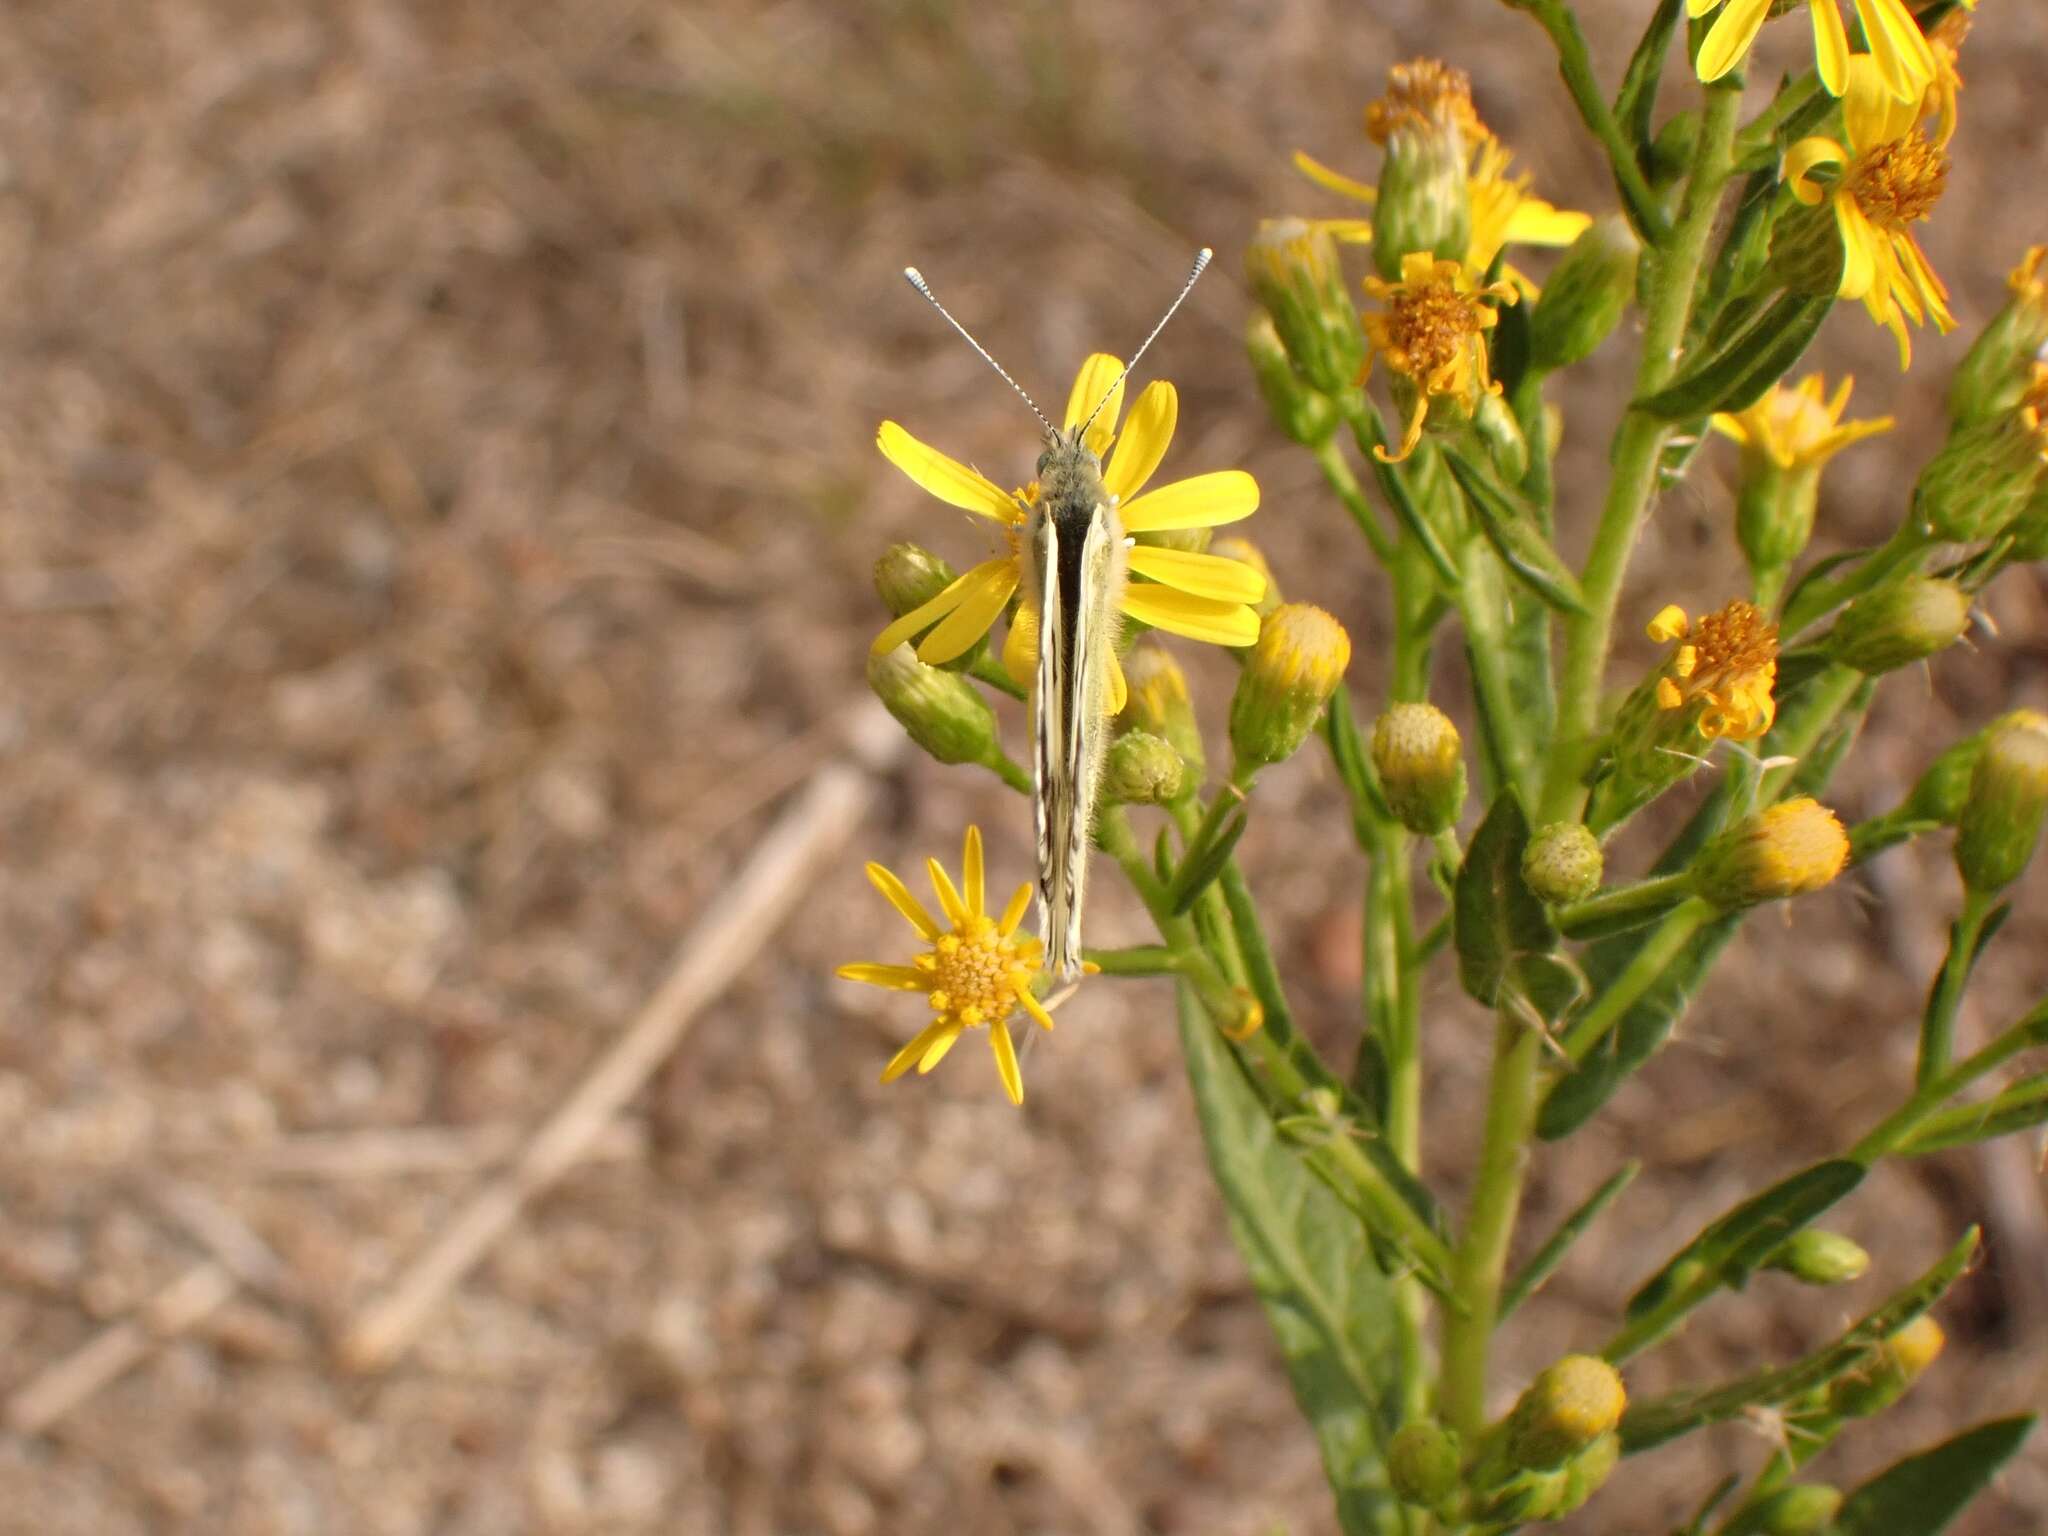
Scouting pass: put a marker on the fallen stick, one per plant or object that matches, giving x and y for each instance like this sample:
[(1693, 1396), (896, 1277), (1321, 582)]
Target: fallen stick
[(753, 906)]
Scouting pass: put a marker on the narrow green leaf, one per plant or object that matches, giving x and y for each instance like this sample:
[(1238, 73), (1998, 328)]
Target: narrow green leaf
[(1653, 1422), (1513, 527), (1543, 1263), (1199, 870), (1371, 433), (2020, 1108), (1735, 374), (1637, 100), (1331, 1309), (1499, 919), (1726, 1251), (1920, 1495)]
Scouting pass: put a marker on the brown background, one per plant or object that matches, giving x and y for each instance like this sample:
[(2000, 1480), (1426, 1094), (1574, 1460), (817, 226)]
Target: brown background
[(437, 493)]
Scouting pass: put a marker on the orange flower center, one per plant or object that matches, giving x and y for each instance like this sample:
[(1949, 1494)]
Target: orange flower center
[(1429, 325), (1899, 182), (1737, 641), (1425, 96)]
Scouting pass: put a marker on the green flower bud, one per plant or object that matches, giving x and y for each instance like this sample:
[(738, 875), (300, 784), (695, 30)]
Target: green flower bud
[(1159, 704), (1892, 1367), (2029, 531), (1531, 1494), (1987, 472), (1417, 753), (1142, 769), (2001, 819), (1902, 622), (1586, 295), (1288, 677), (1563, 862), (1945, 786), (1586, 1472), (1819, 1258), (1806, 1509), (909, 576), (942, 712), (1573, 1403), (1671, 152), (1300, 410), (1425, 202), (1790, 849), (1422, 1463), (1237, 547), (1993, 377), (1296, 277), (1495, 420)]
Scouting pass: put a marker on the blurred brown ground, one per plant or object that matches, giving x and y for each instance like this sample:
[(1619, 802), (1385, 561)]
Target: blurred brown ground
[(438, 494)]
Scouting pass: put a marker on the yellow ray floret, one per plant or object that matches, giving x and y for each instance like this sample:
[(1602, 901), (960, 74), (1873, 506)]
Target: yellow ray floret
[(1432, 334), (1901, 56), (1204, 597), (1725, 668), (1799, 425)]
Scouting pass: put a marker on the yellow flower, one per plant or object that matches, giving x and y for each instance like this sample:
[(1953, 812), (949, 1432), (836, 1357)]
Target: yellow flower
[(1433, 335), (1939, 102), (976, 975), (1201, 596), (1904, 62), (1791, 849), (1427, 97), (1799, 426), (1891, 177), (1725, 667)]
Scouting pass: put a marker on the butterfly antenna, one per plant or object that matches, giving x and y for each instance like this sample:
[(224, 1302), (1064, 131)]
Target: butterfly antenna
[(1201, 265), (917, 281)]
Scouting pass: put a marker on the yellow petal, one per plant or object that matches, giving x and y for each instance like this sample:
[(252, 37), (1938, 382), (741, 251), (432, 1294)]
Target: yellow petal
[(1205, 501), (949, 897), (1091, 384), (1006, 1061), (1669, 624), (1020, 646), (1902, 54), (1699, 8), (984, 591), (1119, 688), (1229, 581), (1036, 1009), (900, 898), (1859, 264), (1199, 618), (970, 871), (1347, 231), (1802, 158), (946, 478), (897, 978), (1142, 444), (1866, 104), (1830, 45), (1013, 914), (936, 1051), (907, 1058), (1668, 696), (1535, 222), (923, 616), (1730, 36), (1729, 426), (1334, 181)]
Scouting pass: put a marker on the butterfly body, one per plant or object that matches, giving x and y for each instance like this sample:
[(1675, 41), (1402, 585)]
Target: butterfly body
[(1076, 566)]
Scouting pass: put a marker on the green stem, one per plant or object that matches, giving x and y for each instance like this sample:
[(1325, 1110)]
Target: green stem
[(1010, 773), (1817, 599), (1480, 1263), (1575, 64), (1825, 699), (1638, 444), (987, 669), (2028, 1034), (1609, 911), (1637, 977), (1938, 1026), (1337, 470), (1136, 960)]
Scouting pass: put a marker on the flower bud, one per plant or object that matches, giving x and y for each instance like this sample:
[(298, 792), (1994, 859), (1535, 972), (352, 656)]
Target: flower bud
[(1416, 751), (1902, 622), (2029, 530), (1586, 295), (1299, 409), (1806, 1509), (1791, 848), (1425, 202), (1892, 1367), (1529, 1495), (1237, 547), (1159, 704), (1567, 1408), (1562, 862), (909, 576), (1788, 435), (1297, 278), (1819, 1258), (1945, 786), (2001, 818), (1288, 677), (1994, 375), (1586, 1472), (942, 712), (1422, 1463), (1987, 472), (1142, 769)]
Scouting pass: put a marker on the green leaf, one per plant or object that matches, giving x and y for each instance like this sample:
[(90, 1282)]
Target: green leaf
[(1371, 433), (1499, 919), (1734, 374), (1653, 1422), (2020, 1108), (1641, 1031), (1543, 1264), (1637, 100), (1725, 1252), (1199, 870), (1331, 1310), (1920, 1495), (1514, 528)]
